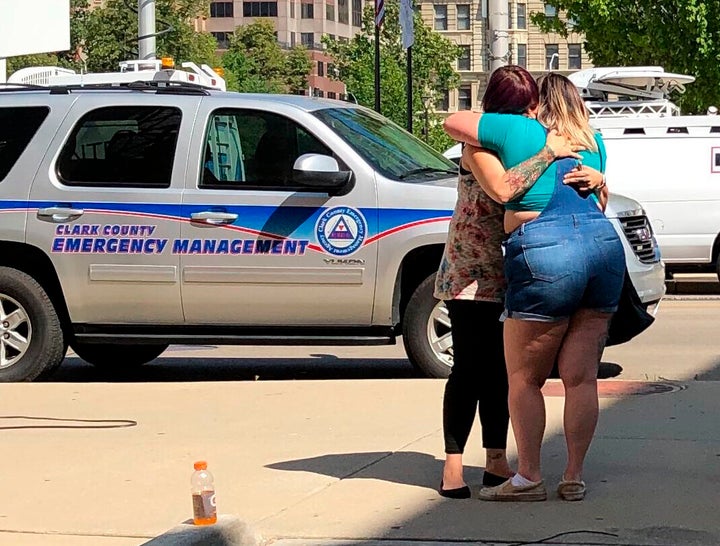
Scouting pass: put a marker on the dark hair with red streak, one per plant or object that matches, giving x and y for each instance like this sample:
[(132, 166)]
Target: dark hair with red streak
[(511, 90)]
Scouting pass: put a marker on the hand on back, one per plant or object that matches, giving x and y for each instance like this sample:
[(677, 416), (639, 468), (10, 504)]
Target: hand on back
[(562, 146)]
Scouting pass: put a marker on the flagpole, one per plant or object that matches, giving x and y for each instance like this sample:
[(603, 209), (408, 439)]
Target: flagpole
[(407, 26), (409, 91), (379, 14), (377, 68)]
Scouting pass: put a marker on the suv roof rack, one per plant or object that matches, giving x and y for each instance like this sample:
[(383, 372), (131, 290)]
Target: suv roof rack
[(161, 88), (20, 87), (153, 72)]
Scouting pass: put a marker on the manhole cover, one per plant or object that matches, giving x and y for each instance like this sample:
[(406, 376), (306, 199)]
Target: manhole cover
[(611, 389)]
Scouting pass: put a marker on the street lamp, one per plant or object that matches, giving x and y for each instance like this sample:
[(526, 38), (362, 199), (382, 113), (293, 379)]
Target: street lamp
[(552, 59), (427, 102)]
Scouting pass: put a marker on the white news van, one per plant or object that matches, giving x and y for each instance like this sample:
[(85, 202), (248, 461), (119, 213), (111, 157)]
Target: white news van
[(668, 162)]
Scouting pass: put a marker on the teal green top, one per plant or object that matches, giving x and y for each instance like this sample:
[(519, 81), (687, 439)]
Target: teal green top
[(517, 138)]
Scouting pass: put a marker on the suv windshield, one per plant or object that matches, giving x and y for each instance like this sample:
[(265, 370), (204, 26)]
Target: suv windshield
[(392, 151)]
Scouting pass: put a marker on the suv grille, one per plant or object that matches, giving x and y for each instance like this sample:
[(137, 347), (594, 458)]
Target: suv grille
[(639, 234)]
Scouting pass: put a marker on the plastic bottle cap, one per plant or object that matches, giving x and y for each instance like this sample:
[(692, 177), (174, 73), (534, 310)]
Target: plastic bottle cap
[(200, 465)]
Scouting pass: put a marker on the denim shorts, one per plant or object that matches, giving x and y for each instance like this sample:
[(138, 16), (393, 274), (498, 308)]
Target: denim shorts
[(557, 265)]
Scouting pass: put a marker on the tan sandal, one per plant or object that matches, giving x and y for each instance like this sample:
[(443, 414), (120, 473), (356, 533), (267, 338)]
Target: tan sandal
[(507, 492), (571, 490)]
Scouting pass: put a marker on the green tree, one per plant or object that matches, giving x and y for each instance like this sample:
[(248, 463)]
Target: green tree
[(679, 35), (258, 64), (255, 58), (433, 58), (111, 32), (25, 61), (298, 66)]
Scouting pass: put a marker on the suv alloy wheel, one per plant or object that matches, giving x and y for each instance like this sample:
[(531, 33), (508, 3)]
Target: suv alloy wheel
[(426, 331)]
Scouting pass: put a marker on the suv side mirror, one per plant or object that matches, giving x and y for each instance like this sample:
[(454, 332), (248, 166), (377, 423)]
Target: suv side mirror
[(323, 173)]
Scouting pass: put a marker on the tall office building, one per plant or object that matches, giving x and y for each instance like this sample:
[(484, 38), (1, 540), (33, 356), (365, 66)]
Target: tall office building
[(465, 23), (296, 22), (462, 21)]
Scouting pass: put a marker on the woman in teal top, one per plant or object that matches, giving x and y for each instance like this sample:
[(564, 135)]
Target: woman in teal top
[(564, 266), (495, 130)]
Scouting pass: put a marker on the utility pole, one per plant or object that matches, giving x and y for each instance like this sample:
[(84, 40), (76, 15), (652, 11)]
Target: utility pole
[(146, 30), (498, 35)]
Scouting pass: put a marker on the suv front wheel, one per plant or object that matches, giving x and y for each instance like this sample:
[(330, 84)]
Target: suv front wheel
[(115, 356), (427, 333), (31, 337)]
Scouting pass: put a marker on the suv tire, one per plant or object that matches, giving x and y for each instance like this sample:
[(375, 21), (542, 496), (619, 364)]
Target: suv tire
[(32, 317), (115, 356), (425, 325)]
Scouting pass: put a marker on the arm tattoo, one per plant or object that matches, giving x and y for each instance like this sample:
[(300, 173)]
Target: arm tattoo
[(522, 177)]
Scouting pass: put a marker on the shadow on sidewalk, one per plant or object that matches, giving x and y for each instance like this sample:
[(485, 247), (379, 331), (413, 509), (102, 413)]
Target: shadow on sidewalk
[(171, 369), (651, 475), (192, 368), (407, 467)]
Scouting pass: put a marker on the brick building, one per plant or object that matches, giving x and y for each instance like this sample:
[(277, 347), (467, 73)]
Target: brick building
[(296, 22)]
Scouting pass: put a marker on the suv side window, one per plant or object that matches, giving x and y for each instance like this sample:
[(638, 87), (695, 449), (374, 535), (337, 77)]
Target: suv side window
[(18, 126), (251, 149), (122, 146)]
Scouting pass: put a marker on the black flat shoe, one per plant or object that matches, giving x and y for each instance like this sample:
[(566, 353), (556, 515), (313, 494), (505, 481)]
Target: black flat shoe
[(493, 480), (457, 493)]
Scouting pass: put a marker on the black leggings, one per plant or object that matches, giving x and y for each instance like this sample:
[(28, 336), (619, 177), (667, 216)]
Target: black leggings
[(478, 379)]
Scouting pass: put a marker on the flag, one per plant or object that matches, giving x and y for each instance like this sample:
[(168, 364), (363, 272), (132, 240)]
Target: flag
[(407, 15), (379, 12)]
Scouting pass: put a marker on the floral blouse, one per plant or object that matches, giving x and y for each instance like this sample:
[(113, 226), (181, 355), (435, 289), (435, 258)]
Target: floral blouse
[(472, 263)]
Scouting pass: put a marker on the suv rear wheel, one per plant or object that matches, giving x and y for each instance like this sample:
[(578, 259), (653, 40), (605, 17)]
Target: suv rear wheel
[(426, 331), (31, 337), (115, 356)]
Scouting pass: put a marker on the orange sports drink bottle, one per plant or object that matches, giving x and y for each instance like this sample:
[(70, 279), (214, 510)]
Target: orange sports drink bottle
[(203, 495)]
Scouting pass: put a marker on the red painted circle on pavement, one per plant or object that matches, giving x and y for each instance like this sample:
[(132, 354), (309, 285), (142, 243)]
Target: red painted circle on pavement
[(616, 388)]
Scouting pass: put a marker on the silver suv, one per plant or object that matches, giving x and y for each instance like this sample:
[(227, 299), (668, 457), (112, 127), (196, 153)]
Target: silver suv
[(132, 218)]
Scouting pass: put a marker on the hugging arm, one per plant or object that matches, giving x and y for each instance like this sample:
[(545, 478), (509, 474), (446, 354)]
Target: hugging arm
[(501, 185), (602, 196), (586, 178), (463, 127), (504, 186)]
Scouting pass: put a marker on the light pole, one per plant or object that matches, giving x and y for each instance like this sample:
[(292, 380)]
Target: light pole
[(146, 30), (427, 100), (498, 35), (552, 59)]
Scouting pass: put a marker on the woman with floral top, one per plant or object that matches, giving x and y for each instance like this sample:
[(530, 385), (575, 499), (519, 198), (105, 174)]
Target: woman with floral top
[(471, 282)]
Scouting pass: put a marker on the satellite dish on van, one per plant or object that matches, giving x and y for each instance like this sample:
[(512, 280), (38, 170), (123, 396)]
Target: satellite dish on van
[(631, 81)]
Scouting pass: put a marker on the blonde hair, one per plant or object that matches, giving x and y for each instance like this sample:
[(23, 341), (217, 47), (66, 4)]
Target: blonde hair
[(562, 108)]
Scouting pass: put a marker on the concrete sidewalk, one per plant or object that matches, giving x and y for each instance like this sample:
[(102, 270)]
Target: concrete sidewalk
[(340, 462)]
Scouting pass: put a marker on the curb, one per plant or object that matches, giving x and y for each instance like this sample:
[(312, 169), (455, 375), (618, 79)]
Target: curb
[(228, 531)]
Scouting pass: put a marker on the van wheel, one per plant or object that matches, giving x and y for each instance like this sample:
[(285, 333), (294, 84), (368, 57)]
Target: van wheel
[(31, 337), (426, 332), (114, 356)]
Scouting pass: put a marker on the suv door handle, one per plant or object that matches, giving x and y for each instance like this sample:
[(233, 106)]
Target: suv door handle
[(59, 215), (214, 218)]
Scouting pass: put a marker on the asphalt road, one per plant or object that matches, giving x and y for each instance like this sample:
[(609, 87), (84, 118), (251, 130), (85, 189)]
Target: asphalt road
[(682, 344)]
